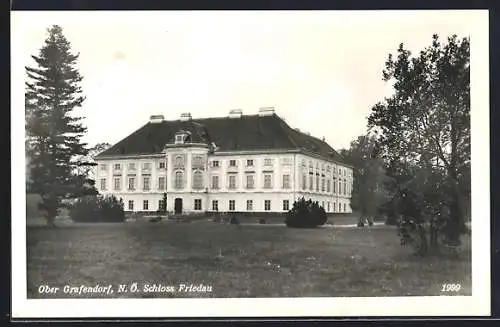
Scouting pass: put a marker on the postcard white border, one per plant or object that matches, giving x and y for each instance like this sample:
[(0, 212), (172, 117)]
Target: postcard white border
[(476, 305)]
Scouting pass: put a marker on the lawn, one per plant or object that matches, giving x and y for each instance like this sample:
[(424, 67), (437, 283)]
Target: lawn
[(237, 261)]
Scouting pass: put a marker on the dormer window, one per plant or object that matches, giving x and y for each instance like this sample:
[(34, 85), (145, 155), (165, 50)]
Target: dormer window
[(181, 137)]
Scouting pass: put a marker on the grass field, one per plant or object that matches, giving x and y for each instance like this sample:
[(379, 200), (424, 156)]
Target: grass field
[(244, 261)]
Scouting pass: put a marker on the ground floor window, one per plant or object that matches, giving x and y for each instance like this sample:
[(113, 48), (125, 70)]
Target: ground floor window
[(161, 205), (231, 205), (328, 206), (249, 205), (215, 205), (334, 206), (286, 205), (130, 205), (323, 204), (197, 204), (145, 205), (267, 205), (345, 208)]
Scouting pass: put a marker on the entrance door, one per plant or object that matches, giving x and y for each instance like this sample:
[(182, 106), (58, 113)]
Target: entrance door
[(178, 206)]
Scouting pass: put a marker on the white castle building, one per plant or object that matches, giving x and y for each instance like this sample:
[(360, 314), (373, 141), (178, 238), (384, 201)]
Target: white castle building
[(242, 163)]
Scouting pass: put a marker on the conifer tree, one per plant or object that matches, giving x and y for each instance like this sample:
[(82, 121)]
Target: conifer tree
[(53, 132)]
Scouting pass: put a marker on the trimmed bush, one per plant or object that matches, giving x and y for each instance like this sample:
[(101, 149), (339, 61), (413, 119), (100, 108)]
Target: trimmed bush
[(306, 214), (97, 209)]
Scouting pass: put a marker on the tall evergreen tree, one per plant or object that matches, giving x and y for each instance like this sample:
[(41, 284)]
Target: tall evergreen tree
[(53, 132)]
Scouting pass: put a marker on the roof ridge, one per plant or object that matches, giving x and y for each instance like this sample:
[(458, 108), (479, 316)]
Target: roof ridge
[(287, 129)]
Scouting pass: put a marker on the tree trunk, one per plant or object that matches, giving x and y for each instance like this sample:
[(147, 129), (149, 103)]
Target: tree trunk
[(424, 246), (51, 221), (433, 242), (455, 223)]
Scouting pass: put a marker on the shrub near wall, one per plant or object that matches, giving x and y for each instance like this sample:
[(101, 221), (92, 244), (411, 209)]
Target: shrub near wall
[(305, 214), (98, 209)]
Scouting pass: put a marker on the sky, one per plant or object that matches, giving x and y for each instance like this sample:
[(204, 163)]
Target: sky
[(321, 71)]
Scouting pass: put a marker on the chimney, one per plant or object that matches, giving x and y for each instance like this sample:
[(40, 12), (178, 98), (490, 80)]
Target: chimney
[(235, 113), (266, 111), (186, 116), (155, 119), (297, 129)]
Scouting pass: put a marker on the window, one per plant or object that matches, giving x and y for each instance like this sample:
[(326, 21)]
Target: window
[(215, 205), (162, 165), (215, 163), (117, 167), (345, 187), (104, 166), (116, 184), (197, 204), (250, 182), (317, 183), (231, 205), (304, 181), (322, 184), (268, 181), (131, 183), (179, 138), (268, 162), (328, 187), (310, 182), (267, 205), (340, 186), (249, 162), (103, 184), (334, 206), (197, 161), (323, 204), (179, 161), (334, 185), (249, 205), (146, 166), (160, 205), (286, 205), (286, 181), (344, 208), (232, 181), (328, 206), (146, 183), (145, 205), (232, 163), (197, 180), (131, 166), (161, 183), (215, 182), (179, 179), (130, 205)]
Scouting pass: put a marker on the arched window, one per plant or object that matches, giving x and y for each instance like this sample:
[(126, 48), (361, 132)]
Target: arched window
[(179, 179), (197, 179)]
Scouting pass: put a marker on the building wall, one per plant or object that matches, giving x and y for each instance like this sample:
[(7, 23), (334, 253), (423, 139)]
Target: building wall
[(296, 165)]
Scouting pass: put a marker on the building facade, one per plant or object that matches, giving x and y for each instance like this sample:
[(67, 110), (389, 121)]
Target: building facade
[(240, 163)]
